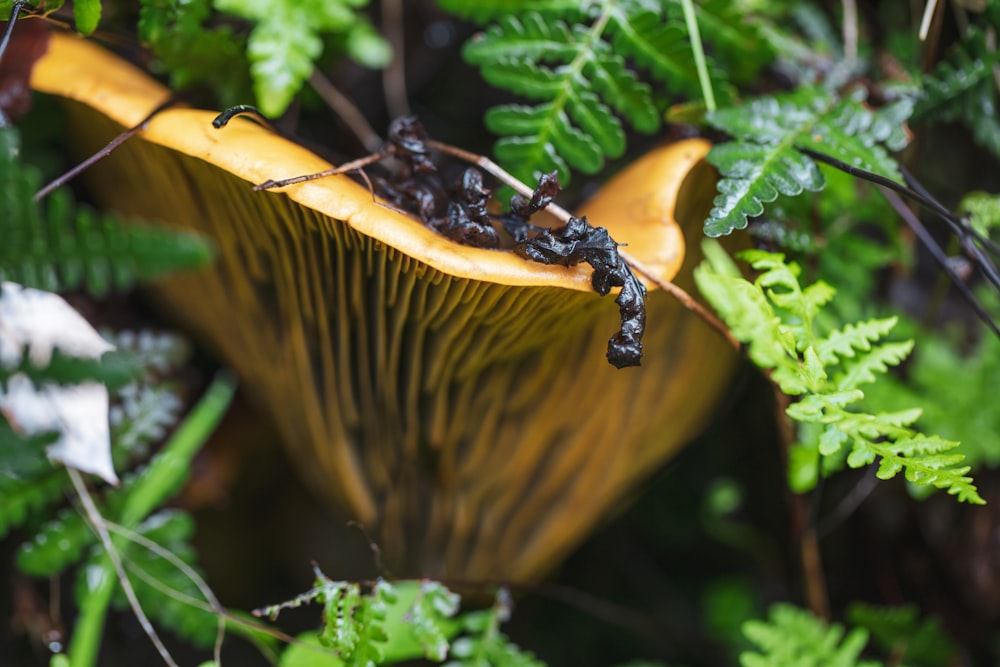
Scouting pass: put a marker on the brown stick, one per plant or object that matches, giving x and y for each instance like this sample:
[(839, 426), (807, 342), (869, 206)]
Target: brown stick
[(106, 151), (346, 109)]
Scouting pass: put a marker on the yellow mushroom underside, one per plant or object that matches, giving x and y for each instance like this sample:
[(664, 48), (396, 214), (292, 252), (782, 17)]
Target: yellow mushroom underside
[(457, 401)]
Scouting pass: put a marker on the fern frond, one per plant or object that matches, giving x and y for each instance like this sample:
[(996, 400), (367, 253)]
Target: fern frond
[(578, 77), (658, 42), (952, 408), (775, 316), (165, 592), (739, 46), (925, 463), (482, 11), (154, 352), (869, 367), (571, 57), (187, 46), (141, 416), (27, 497), (963, 87), (900, 632), (433, 605), (287, 40), (56, 546), (983, 210), (792, 637), (484, 644), (61, 249), (853, 338), (764, 159)]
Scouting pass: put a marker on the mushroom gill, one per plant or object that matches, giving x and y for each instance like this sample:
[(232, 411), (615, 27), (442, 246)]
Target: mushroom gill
[(455, 400)]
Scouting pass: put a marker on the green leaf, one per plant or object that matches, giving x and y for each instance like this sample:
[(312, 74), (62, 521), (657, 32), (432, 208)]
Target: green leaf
[(776, 317), (485, 10), (752, 175), (87, 14), (952, 409), (983, 210), (764, 159), (846, 342), (160, 586), (792, 637), (577, 76), (287, 40), (56, 546), (193, 49), (870, 365), (963, 87), (899, 631), (434, 604), (29, 496), (62, 249)]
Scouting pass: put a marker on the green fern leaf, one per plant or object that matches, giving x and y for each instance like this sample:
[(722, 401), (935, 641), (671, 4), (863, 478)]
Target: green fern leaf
[(577, 77), (434, 604), (844, 343), (56, 546), (193, 51), (59, 250), (27, 497), (287, 40), (764, 159), (87, 14), (899, 631), (924, 462), (141, 416), (738, 43), (776, 317), (484, 644), (964, 87), (952, 409), (572, 58), (573, 130), (162, 589), (753, 175), (792, 637), (868, 367), (487, 10), (658, 41)]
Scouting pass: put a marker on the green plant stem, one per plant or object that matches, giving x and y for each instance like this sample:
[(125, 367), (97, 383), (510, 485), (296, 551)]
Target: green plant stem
[(699, 55), (162, 478)]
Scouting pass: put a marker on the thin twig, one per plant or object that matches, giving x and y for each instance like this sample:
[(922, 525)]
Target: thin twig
[(372, 545), (848, 504), (346, 109), (97, 522), (188, 571), (394, 75), (15, 12), (942, 260), (812, 564), (925, 20), (915, 192), (333, 171), (228, 615), (106, 151), (499, 172), (850, 32)]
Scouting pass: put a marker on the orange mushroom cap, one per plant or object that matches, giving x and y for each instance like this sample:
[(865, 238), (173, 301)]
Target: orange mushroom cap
[(455, 400)]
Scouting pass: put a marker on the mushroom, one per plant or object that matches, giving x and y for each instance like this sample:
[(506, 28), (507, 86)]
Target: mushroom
[(454, 400)]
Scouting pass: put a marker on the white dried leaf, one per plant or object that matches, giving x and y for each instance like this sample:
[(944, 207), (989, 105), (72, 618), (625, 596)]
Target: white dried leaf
[(42, 321)]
